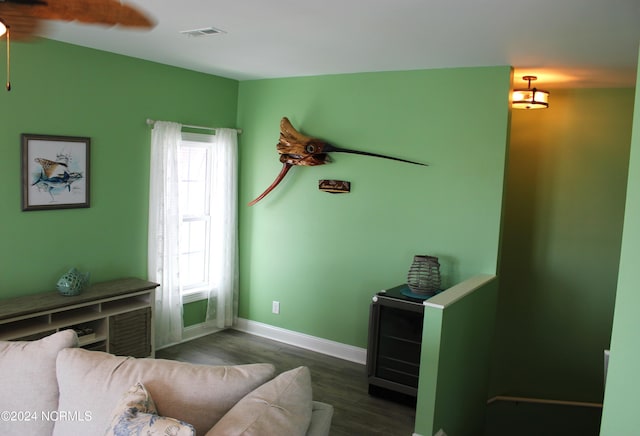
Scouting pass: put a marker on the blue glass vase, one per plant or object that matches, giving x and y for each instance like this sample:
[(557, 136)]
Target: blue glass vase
[(72, 282)]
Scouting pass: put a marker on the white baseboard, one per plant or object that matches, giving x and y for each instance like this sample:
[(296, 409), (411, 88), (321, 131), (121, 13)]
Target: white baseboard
[(319, 345)]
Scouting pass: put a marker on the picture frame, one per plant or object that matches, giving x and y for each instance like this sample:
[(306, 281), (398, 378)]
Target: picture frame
[(55, 172)]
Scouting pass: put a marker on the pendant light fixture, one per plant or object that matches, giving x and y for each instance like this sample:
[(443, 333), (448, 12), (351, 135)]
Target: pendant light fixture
[(530, 98)]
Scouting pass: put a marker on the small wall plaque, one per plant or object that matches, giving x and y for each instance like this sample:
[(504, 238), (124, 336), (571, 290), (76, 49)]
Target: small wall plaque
[(334, 186)]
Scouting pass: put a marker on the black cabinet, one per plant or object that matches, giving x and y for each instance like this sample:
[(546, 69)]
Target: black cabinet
[(395, 342)]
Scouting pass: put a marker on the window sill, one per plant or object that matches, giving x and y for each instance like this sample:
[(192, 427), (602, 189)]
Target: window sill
[(193, 296)]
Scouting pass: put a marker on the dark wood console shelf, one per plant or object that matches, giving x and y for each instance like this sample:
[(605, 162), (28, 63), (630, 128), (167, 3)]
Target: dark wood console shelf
[(114, 316)]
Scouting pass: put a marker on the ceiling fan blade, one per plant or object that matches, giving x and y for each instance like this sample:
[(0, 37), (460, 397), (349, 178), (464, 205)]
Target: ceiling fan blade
[(25, 2), (23, 16), (23, 25), (108, 12)]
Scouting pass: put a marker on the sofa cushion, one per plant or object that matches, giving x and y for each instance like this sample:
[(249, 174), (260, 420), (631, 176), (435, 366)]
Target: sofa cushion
[(28, 380), (320, 419), (280, 407), (137, 414), (93, 381)]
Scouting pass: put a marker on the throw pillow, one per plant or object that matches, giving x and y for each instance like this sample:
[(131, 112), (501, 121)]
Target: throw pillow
[(281, 406), (28, 380), (137, 414)]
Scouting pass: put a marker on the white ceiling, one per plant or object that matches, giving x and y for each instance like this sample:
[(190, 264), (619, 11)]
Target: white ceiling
[(566, 43)]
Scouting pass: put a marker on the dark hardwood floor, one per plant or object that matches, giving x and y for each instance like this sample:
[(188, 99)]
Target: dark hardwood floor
[(341, 383)]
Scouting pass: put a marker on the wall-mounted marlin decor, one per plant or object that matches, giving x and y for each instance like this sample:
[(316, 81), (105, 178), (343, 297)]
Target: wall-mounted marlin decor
[(298, 149)]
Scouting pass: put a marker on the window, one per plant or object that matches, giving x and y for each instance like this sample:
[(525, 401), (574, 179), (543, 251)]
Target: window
[(193, 238), (195, 206)]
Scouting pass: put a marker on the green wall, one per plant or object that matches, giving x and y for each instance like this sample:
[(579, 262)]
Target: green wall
[(323, 256), (62, 89), (563, 217), (620, 414), (456, 355)]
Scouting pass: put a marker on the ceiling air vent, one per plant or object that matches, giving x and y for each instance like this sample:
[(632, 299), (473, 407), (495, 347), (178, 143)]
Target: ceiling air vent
[(207, 31)]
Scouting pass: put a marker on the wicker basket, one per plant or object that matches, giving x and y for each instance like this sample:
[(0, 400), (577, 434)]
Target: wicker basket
[(424, 275)]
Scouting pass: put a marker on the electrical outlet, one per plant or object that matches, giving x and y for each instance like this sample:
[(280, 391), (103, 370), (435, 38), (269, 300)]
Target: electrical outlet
[(275, 307)]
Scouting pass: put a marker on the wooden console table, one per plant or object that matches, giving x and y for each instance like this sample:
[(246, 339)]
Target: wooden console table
[(114, 316)]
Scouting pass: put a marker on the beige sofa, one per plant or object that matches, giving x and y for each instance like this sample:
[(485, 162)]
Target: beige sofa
[(51, 387)]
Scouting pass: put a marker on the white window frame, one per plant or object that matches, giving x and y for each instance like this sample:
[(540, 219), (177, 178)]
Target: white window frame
[(200, 291)]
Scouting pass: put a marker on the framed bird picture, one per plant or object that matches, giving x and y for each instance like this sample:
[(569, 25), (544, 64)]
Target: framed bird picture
[(55, 172)]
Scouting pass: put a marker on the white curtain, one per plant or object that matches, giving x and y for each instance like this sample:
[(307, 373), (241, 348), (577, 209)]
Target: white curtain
[(223, 299), (164, 231)]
